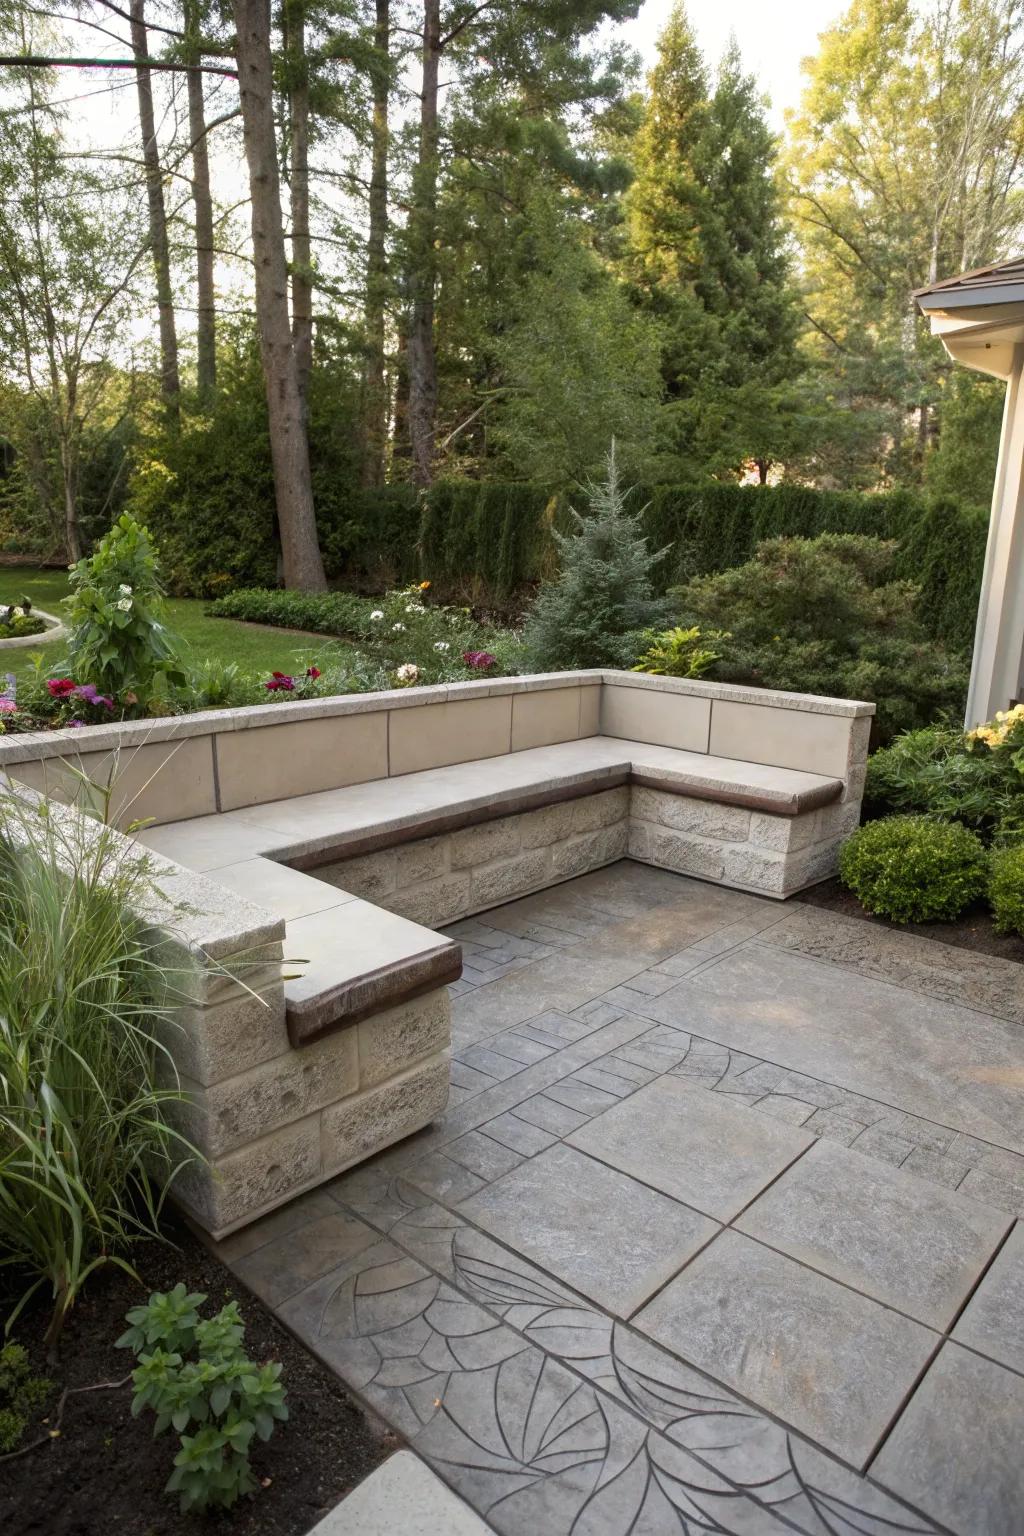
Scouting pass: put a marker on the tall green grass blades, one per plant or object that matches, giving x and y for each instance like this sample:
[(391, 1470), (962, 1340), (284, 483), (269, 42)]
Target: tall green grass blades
[(85, 1145)]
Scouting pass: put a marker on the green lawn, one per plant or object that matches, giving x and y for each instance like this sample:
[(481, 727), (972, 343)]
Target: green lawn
[(253, 646)]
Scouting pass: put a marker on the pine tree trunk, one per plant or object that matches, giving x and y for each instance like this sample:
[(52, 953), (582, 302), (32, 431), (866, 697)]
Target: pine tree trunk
[(202, 199), (300, 550), (374, 401), (423, 261), (169, 382), (293, 22)]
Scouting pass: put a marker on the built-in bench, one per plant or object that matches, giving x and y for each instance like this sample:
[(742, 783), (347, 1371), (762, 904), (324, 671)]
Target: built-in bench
[(358, 826)]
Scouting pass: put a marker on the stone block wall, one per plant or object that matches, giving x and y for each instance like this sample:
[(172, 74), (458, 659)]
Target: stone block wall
[(272, 1121), (437, 880)]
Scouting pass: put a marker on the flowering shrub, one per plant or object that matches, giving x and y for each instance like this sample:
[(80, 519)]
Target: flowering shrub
[(283, 682), (117, 637), (977, 778)]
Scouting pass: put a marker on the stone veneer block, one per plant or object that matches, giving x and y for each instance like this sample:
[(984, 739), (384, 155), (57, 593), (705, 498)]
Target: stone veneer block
[(254, 1179), (370, 1120), (665, 720), (158, 782), (786, 738), (245, 1107), (248, 1028), (391, 1041), (541, 719), (274, 762), (437, 735)]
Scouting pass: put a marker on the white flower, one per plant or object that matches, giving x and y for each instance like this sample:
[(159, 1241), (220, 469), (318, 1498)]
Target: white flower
[(125, 605), (376, 614), (408, 672), (124, 589), (397, 627), (415, 608), (441, 645)]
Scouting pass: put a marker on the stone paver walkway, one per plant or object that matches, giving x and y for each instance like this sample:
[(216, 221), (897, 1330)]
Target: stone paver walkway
[(718, 1233)]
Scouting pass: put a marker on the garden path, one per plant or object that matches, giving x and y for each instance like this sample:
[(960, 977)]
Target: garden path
[(719, 1232)]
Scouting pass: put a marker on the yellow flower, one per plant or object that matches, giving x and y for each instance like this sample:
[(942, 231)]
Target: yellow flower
[(424, 585)]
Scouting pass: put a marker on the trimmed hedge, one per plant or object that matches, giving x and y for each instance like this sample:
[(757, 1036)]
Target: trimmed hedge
[(495, 540), (914, 870)]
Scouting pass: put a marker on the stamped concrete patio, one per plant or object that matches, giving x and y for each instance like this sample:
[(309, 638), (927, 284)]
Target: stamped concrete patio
[(717, 1235)]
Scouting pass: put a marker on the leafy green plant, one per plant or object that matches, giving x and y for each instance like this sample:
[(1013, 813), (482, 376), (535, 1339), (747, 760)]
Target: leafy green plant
[(1006, 889), (16, 622), (940, 771), (827, 616), (21, 1395), (913, 869), (597, 610), (228, 1397), (83, 1133), (680, 652), (117, 639)]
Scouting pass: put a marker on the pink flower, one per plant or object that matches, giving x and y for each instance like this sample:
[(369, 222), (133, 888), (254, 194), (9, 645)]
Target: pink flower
[(7, 706), (279, 681), (479, 660), (60, 687)]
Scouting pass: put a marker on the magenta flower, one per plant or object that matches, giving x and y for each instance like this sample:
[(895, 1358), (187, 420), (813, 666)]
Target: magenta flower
[(7, 706), (60, 687), (280, 681), (91, 695), (479, 660)]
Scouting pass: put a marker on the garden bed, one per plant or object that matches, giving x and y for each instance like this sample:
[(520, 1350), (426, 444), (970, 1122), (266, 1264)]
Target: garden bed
[(79, 1483), (974, 929)]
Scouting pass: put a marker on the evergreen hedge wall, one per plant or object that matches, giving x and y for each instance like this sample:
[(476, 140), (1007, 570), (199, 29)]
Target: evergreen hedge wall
[(491, 542)]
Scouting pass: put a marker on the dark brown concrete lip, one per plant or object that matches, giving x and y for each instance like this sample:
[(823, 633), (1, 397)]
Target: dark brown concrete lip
[(773, 803), (340, 1007)]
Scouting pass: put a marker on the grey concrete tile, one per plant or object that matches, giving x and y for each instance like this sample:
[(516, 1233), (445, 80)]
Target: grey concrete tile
[(550, 1115), (780, 1107), (619, 1066), (442, 1179), (878, 1040), (888, 1146), (602, 1075), (561, 983), (518, 1134), (1005, 1197), (826, 1360), (287, 1218), (928, 1136), (696, 1146), (462, 1075), (905, 1242), (993, 1320), (486, 1158), (493, 1063), (955, 1451), (287, 1265), (598, 1012), (659, 1049), (581, 1097), (402, 1495), (937, 1166), (519, 1048), (542, 1208), (561, 1028), (834, 1124)]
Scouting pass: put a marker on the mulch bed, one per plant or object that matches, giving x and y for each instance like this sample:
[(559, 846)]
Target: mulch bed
[(974, 929), (105, 1473)]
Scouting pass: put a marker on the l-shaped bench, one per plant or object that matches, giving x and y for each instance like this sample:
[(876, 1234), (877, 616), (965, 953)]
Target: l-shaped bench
[(354, 827)]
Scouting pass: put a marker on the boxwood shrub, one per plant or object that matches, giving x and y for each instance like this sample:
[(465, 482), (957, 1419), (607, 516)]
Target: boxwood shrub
[(1006, 889), (914, 870)]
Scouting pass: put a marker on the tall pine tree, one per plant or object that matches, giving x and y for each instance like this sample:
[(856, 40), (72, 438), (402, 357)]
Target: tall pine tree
[(707, 254)]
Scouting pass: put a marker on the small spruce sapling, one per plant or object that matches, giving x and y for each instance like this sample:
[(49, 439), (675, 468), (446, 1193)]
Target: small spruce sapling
[(225, 1395), (596, 612)]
